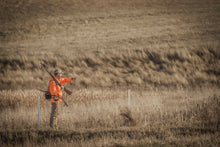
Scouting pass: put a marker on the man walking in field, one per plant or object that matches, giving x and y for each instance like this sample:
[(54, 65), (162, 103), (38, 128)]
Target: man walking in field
[(56, 93)]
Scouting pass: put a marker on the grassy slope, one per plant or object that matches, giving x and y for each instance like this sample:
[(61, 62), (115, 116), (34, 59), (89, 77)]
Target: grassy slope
[(116, 43), (110, 43), (138, 68)]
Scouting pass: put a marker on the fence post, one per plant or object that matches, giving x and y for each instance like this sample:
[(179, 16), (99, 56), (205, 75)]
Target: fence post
[(129, 98), (38, 120)]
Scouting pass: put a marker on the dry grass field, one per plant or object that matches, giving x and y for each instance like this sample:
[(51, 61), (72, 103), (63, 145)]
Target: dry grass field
[(166, 51), (102, 118)]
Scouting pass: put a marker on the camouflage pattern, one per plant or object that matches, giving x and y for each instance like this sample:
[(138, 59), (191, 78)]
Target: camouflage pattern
[(58, 71)]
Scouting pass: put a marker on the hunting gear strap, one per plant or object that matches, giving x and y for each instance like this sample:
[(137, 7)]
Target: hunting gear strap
[(54, 98)]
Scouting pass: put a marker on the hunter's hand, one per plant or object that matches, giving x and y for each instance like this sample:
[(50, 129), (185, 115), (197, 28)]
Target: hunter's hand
[(73, 78), (62, 87)]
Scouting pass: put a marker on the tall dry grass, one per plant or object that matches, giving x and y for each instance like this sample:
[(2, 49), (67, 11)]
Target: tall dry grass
[(139, 68), (111, 46), (154, 116)]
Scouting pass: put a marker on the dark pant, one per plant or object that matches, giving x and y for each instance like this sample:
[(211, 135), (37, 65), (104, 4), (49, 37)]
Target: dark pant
[(53, 116)]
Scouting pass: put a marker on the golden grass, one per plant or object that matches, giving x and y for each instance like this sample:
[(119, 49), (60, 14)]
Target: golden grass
[(159, 49), (103, 114), (139, 68)]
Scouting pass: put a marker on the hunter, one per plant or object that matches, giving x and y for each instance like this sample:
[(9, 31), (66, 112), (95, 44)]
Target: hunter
[(56, 93)]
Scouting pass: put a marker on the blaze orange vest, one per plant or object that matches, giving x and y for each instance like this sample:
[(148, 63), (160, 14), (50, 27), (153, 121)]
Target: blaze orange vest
[(55, 89)]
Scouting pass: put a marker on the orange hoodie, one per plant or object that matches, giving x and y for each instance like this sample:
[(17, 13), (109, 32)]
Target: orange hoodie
[(55, 88)]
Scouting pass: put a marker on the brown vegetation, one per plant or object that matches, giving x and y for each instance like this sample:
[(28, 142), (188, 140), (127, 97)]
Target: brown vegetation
[(138, 68), (158, 48), (110, 43), (102, 117)]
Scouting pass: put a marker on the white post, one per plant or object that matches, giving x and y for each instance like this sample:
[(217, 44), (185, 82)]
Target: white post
[(129, 98), (38, 120)]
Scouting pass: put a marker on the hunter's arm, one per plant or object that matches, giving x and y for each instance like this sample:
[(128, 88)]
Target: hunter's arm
[(65, 80)]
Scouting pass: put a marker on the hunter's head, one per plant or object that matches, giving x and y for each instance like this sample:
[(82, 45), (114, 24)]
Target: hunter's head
[(58, 73)]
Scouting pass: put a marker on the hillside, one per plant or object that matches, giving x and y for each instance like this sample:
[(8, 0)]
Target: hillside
[(117, 43), (167, 52)]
